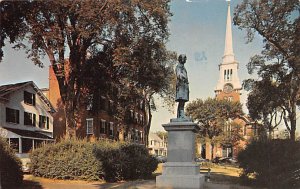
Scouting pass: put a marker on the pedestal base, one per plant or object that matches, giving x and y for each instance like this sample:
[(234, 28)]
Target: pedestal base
[(181, 171), (180, 181)]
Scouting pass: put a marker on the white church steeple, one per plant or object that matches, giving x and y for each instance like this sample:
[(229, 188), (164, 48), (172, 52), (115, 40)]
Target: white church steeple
[(228, 79), (228, 51)]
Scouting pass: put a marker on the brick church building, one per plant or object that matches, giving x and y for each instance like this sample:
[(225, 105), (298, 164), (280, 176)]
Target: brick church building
[(229, 87)]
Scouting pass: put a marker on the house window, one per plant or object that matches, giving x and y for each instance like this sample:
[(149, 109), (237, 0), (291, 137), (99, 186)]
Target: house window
[(43, 122), (102, 126), (111, 128), (89, 126), (111, 107), (89, 105), (131, 114), (141, 119), (103, 103), (29, 98), (141, 105), (29, 119), (136, 117), (12, 115)]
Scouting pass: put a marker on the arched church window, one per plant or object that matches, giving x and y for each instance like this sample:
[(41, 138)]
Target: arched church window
[(227, 75)]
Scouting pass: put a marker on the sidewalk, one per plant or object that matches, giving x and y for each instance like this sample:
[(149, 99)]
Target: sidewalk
[(40, 183)]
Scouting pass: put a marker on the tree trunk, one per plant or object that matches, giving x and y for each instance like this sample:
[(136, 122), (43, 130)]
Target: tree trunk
[(148, 124), (212, 151), (270, 132), (70, 120), (293, 123)]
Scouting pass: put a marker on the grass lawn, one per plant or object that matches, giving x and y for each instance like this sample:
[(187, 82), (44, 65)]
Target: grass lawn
[(222, 177), (224, 173), (219, 173)]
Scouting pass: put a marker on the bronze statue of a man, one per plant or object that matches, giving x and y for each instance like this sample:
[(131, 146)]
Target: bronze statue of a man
[(182, 86)]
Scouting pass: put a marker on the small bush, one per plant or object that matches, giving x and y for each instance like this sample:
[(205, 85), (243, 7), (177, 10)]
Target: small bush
[(71, 160), (10, 167), (274, 164), (129, 161)]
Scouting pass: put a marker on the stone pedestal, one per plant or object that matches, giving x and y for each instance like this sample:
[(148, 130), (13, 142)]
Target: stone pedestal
[(180, 170)]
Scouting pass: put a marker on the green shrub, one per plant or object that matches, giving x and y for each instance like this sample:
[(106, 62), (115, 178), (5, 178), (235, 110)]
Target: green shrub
[(10, 167), (129, 161), (79, 159), (274, 164), (72, 159)]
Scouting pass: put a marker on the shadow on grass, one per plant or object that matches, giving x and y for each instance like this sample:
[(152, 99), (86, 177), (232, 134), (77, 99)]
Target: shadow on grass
[(29, 184), (130, 184), (220, 177), (127, 184)]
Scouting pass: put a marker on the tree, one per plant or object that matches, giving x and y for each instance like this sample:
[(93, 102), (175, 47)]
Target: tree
[(12, 16), (213, 117), (278, 23), (263, 104), (135, 33), (162, 135)]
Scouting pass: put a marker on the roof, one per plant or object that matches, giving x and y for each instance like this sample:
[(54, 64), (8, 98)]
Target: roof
[(6, 89), (10, 88), (247, 119), (153, 136), (29, 134)]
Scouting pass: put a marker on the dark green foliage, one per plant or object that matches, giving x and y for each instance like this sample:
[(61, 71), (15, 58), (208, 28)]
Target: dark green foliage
[(275, 94), (274, 163), (212, 115), (126, 39), (79, 159), (10, 166), (66, 160), (130, 161)]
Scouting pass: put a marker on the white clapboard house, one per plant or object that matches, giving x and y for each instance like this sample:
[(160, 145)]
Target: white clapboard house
[(25, 117)]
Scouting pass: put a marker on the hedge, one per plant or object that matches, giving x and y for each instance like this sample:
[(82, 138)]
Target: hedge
[(274, 164), (129, 161), (83, 160), (10, 167), (73, 160)]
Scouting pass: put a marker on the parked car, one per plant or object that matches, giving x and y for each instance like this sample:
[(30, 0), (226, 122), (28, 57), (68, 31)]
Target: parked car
[(25, 164), (200, 160), (229, 160), (161, 159)]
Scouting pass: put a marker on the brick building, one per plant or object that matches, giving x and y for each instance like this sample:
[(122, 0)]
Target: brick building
[(101, 123)]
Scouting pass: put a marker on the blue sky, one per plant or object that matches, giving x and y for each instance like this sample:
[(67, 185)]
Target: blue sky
[(197, 29)]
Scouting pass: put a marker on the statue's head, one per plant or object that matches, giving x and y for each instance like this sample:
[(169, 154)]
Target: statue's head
[(182, 58)]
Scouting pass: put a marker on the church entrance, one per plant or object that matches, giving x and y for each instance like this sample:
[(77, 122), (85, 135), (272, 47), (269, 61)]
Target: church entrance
[(203, 151), (227, 152)]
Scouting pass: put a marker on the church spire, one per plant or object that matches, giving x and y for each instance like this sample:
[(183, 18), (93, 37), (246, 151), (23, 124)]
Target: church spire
[(228, 85), (228, 51)]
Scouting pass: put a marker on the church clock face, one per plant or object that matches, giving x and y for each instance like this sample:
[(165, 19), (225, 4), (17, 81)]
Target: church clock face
[(228, 88)]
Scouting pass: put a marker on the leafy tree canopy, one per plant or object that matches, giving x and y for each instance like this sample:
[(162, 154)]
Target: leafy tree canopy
[(125, 40), (277, 89), (213, 117), (162, 134)]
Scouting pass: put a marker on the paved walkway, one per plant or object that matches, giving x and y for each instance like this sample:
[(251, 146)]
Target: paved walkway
[(30, 183)]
